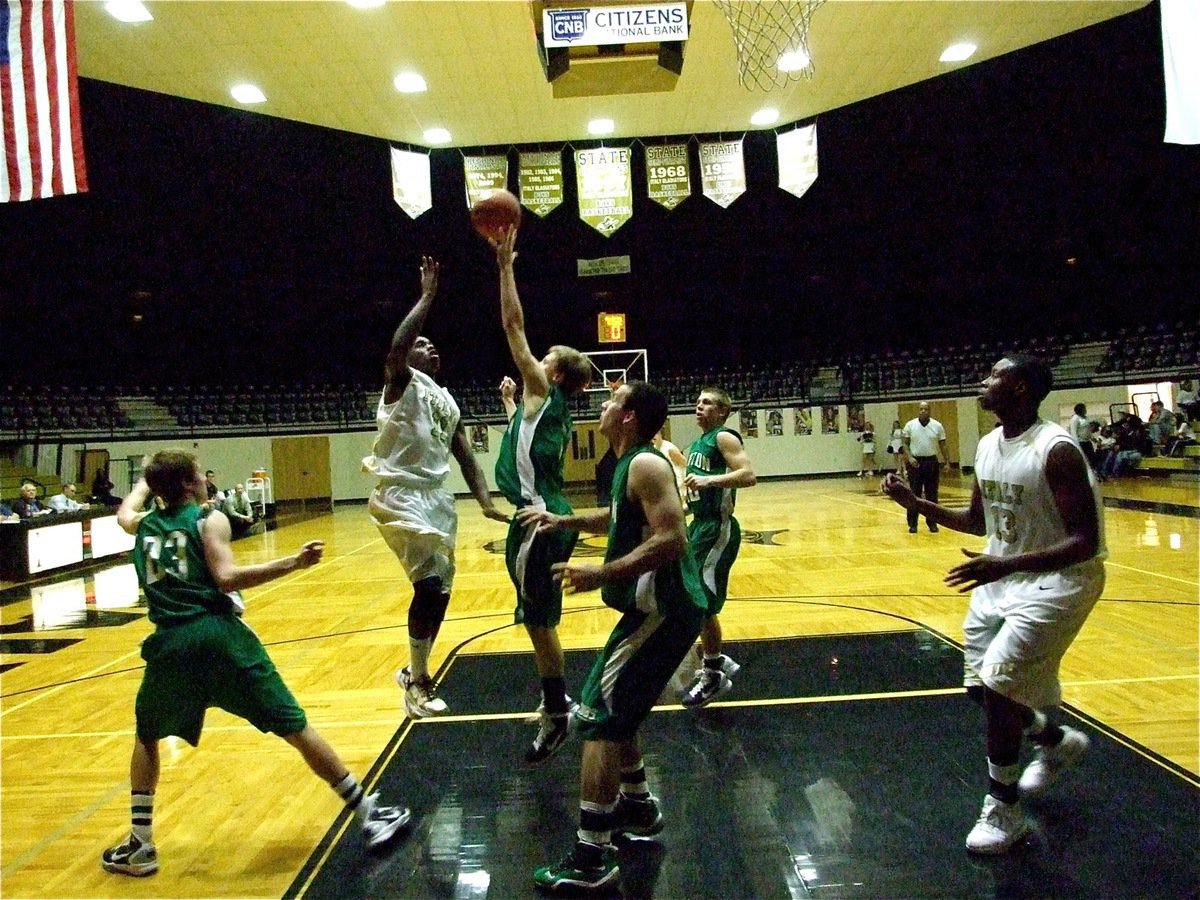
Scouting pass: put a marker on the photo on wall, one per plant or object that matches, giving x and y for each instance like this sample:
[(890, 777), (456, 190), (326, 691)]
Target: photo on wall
[(855, 417), (748, 419), (775, 423), (829, 420), (803, 420), (479, 438)]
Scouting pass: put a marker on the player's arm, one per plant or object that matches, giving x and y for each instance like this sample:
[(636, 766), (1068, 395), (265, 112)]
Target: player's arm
[(512, 317), (508, 396), (396, 373), (593, 521), (131, 510), (968, 521), (740, 473), (652, 485), (229, 576), (1066, 474), (473, 474)]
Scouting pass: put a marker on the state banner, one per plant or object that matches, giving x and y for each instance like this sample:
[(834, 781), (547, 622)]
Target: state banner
[(410, 182), (540, 181), (797, 159), (722, 171), (668, 174), (484, 176), (605, 185)]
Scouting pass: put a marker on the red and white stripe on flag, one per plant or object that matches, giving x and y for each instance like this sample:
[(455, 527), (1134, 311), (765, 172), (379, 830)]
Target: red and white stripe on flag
[(39, 101)]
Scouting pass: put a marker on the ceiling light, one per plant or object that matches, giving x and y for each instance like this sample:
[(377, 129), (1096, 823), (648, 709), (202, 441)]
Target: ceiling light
[(409, 83), (247, 93), (437, 135), (366, 4), (957, 52), (601, 126), (793, 61), (765, 116), (128, 11)]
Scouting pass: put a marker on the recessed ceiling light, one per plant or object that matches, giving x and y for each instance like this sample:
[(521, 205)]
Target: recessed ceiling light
[(601, 126), (128, 11), (247, 93), (437, 135), (957, 52), (765, 116), (793, 61), (365, 4), (409, 83)]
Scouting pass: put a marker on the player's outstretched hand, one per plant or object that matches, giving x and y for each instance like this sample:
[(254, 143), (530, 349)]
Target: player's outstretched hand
[(429, 276), (505, 247), (310, 554), (491, 512), (508, 388), (894, 487), (978, 569), (576, 578), (545, 521)]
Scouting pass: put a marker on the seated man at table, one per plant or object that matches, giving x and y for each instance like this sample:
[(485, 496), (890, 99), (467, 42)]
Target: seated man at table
[(27, 505), (239, 509), (65, 502)]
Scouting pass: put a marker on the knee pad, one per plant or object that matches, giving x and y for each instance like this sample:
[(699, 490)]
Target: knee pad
[(429, 600), (975, 693)]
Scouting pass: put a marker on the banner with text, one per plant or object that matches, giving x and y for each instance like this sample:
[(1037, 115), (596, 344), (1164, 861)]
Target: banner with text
[(722, 171), (599, 25), (410, 182), (668, 174), (605, 187), (797, 159), (484, 176), (540, 180)]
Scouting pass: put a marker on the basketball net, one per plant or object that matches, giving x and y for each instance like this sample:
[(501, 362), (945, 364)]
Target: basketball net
[(771, 37)]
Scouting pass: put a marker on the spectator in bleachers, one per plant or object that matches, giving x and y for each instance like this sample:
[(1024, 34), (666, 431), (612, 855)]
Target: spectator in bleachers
[(1081, 429), (215, 495), (239, 509), (27, 505), (65, 502), (1187, 401), (7, 515), (1184, 436), (1131, 447), (1106, 444), (102, 489), (1161, 424)]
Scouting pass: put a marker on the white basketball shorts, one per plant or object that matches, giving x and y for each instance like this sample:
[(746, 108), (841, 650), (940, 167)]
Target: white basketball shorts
[(420, 527)]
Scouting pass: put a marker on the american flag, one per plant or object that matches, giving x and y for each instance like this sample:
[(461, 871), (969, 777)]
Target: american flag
[(39, 101)]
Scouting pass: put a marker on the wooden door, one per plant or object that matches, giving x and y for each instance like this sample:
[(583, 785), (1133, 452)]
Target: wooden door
[(300, 468), (583, 452), (946, 412)]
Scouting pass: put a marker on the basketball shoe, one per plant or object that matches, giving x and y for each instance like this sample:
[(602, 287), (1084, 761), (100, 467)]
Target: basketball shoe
[(587, 867), (707, 686), (638, 817), (1050, 762), (1000, 826), (130, 858), (382, 822), (420, 695), (553, 731)]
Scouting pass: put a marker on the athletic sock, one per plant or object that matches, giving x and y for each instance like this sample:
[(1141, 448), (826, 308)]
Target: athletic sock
[(1002, 782), (418, 651), (141, 809), (633, 782), (554, 695), (713, 662), (596, 822), (354, 797)]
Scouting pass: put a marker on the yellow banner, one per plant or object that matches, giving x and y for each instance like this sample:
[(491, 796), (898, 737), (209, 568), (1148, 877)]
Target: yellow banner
[(605, 187), (484, 176), (722, 171), (668, 174), (540, 176)]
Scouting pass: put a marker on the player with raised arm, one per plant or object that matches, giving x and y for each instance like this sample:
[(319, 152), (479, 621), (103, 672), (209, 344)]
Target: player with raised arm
[(419, 429), (649, 577), (1041, 572), (201, 654), (529, 472)]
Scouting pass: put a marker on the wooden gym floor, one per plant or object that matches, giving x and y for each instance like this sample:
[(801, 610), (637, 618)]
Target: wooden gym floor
[(846, 745)]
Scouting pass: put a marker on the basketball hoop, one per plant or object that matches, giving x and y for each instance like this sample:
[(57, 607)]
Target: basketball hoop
[(771, 37)]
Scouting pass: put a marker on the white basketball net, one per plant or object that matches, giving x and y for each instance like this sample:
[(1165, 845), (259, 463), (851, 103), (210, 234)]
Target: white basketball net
[(771, 37)]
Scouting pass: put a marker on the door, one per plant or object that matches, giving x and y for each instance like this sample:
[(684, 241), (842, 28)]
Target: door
[(946, 412), (300, 469)]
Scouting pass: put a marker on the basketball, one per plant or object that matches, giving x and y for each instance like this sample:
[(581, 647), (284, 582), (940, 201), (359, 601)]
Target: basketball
[(494, 213)]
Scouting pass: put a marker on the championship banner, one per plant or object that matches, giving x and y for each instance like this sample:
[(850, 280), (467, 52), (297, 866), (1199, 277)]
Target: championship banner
[(797, 159), (540, 181), (605, 187), (722, 172), (484, 176), (668, 174), (410, 182)]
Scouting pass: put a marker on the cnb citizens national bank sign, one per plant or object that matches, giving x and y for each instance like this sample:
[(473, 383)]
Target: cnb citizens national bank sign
[(593, 27)]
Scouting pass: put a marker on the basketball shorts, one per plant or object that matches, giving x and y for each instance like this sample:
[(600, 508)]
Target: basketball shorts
[(211, 661), (1017, 631), (419, 526), (714, 546), (529, 556), (631, 671)]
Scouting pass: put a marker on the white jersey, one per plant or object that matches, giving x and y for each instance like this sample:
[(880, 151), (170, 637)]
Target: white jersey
[(1018, 505), (412, 448)]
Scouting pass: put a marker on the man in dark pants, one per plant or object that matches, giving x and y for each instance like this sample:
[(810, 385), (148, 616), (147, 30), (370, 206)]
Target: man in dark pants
[(924, 452)]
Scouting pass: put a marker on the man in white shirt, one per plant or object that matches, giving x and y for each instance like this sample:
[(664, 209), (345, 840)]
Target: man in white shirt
[(1081, 430), (65, 502), (239, 510), (924, 453)]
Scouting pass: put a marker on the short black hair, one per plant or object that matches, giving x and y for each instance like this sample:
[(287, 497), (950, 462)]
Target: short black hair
[(1035, 374), (650, 406), (1080, 409)]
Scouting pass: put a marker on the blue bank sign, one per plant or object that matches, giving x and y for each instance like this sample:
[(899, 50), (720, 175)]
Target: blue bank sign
[(596, 26)]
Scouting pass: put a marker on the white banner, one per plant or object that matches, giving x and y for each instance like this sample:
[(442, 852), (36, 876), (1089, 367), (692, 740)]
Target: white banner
[(540, 176), (668, 174), (410, 182), (599, 25), (605, 187), (722, 172), (484, 175), (605, 265), (797, 159)]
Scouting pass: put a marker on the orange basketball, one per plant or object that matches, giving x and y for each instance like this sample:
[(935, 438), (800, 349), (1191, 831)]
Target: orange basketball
[(494, 213)]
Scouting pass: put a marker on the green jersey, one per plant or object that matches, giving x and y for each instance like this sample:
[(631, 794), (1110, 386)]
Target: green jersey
[(704, 457), (168, 555), (529, 470), (668, 590)]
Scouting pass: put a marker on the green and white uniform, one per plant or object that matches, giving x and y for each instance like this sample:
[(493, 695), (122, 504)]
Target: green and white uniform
[(663, 611), (529, 472), (714, 535), (201, 653)]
